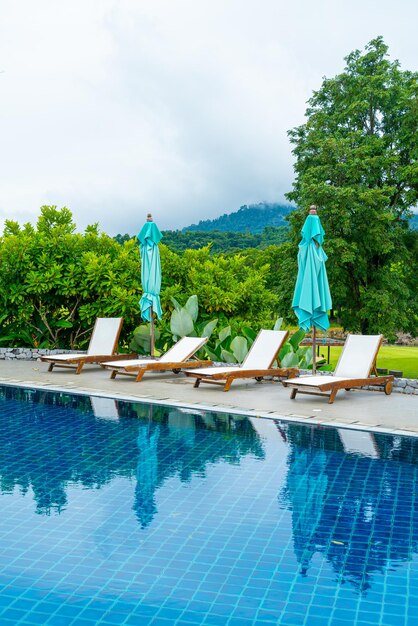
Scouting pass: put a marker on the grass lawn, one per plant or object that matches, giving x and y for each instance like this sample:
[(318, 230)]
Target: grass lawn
[(402, 358)]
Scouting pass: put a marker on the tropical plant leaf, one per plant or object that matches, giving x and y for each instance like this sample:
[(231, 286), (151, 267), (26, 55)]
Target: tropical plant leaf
[(285, 350), (227, 357), (290, 360), (239, 347), (192, 307), (305, 359), (278, 323), (296, 338), (141, 341), (214, 355), (181, 323), (209, 328), (177, 305), (249, 333), (224, 333)]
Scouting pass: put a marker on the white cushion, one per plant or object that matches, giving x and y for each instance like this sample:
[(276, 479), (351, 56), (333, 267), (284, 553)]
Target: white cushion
[(314, 381), (104, 336), (125, 362), (183, 349), (357, 356), (215, 370), (66, 357), (264, 349)]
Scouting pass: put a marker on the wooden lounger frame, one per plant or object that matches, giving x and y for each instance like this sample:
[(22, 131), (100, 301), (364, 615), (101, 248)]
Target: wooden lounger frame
[(78, 361), (139, 370), (350, 383), (227, 379)]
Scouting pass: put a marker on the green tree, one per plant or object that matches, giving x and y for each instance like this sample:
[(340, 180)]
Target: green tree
[(55, 282), (356, 158)]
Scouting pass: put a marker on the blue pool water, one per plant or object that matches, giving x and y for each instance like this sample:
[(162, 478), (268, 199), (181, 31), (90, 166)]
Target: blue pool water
[(119, 513)]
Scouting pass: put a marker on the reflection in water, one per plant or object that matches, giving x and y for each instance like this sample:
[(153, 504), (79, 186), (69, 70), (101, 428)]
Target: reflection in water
[(360, 512), (146, 473), (356, 511), (50, 441), (307, 485)]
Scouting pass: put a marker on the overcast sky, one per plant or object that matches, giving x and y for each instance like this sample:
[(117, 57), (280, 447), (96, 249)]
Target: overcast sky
[(114, 108)]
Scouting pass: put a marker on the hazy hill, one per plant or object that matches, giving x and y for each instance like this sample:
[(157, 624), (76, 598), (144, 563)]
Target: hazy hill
[(248, 219)]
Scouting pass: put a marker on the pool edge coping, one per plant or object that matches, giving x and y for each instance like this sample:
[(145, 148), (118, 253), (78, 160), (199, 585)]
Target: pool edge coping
[(300, 419)]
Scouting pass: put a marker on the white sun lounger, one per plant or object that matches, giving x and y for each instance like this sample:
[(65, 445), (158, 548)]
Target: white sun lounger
[(102, 346), (257, 364), (354, 368), (174, 359)]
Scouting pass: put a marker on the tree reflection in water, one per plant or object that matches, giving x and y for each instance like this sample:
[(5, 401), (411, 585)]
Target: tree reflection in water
[(50, 441), (360, 512)]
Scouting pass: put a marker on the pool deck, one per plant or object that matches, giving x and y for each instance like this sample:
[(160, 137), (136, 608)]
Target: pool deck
[(365, 410)]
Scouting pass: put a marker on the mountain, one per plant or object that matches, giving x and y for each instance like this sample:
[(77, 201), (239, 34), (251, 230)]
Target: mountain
[(248, 219)]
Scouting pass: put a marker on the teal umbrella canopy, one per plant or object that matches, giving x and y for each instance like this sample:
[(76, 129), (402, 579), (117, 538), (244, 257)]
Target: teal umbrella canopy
[(312, 297), (149, 238)]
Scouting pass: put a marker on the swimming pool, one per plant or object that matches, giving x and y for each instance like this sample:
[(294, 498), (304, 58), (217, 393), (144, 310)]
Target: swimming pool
[(126, 513)]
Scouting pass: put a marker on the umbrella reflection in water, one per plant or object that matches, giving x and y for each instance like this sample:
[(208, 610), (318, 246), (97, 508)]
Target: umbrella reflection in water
[(307, 484), (146, 472)]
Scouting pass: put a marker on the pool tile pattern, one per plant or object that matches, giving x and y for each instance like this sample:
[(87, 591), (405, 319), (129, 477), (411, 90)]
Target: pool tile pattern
[(155, 515)]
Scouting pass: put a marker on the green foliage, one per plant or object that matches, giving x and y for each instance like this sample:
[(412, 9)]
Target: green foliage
[(230, 344), (141, 339), (223, 241), (224, 286), (356, 158), (55, 282)]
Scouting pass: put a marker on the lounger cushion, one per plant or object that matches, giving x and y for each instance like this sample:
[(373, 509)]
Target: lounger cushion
[(316, 381), (104, 337), (358, 355), (264, 349), (121, 364), (66, 357), (183, 349), (209, 371)]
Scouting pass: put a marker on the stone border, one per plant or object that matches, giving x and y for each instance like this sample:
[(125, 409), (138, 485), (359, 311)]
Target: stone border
[(30, 354), (400, 385)]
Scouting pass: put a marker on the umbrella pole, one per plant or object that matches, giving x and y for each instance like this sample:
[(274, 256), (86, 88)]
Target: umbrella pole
[(152, 332), (314, 351)]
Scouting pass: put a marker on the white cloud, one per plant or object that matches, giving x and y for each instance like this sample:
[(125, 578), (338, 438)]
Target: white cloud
[(117, 107)]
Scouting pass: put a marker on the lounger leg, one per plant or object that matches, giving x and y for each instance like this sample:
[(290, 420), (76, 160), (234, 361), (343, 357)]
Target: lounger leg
[(113, 374), (79, 368), (228, 383), (293, 394), (332, 396), (197, 382), (51, 367), (140, 375)]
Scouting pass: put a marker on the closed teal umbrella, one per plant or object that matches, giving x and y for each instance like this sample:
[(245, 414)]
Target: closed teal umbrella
[(149, 238), (312, 297)]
